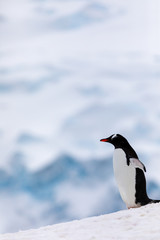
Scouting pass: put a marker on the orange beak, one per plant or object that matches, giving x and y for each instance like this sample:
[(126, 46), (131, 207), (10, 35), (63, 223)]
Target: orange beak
[(104, 140)]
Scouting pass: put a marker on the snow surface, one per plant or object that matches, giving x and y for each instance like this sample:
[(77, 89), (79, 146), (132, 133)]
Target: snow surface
[(71, 73), (139, 223)]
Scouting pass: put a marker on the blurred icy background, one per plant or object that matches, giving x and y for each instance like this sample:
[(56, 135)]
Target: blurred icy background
[(72, 72)]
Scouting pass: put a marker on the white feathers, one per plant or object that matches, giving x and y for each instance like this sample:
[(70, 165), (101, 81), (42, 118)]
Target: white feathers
[(115, 135), (125, 177)]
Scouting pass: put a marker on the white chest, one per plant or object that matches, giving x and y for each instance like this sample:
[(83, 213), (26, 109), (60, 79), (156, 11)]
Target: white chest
[(125, 177)]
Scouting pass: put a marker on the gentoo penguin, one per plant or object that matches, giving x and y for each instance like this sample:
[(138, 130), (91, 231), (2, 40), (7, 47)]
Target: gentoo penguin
[(129, 173)]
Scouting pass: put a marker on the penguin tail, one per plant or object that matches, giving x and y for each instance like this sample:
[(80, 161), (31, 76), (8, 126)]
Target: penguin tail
[(154, 201)]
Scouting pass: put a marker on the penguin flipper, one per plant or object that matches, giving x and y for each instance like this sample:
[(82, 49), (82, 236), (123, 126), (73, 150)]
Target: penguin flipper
[(135, 162)]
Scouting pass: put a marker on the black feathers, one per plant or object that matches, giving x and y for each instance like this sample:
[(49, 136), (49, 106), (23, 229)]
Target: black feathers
[(141, 194)]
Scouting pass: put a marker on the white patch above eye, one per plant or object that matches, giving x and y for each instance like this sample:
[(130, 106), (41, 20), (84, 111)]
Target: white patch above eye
[(115, 135)]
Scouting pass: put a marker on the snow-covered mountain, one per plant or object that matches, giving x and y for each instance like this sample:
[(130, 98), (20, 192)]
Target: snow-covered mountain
[(62, 191), (139, 223), (72, 72)]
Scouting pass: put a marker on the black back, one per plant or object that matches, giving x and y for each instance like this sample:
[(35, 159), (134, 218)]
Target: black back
[(141, 193)]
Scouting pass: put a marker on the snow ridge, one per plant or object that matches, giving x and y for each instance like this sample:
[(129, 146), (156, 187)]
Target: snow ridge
[(140, 223)]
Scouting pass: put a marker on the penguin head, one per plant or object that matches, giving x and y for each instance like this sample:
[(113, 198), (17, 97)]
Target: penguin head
[(117, 140)]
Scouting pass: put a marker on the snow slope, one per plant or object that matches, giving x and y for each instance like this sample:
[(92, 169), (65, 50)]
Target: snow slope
[(140, 223)]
